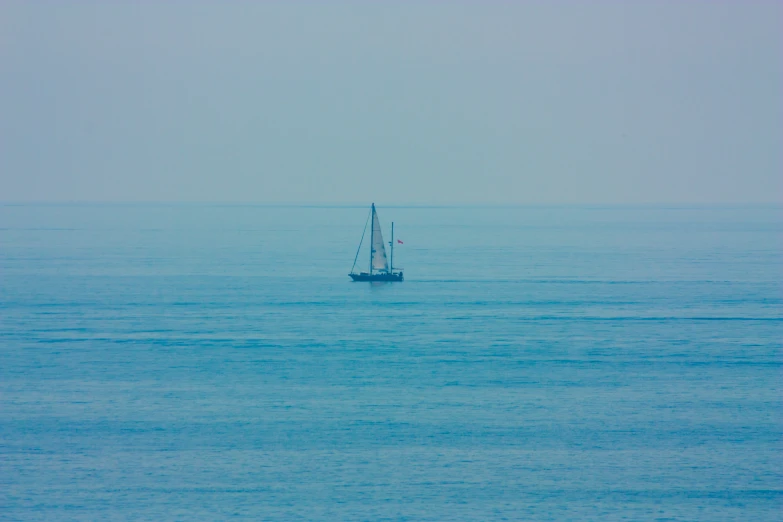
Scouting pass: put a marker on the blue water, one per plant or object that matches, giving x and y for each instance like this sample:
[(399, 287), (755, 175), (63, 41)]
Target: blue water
[(215, 362)]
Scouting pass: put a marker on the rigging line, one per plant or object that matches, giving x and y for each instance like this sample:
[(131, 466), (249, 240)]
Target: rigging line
[(360, 241)]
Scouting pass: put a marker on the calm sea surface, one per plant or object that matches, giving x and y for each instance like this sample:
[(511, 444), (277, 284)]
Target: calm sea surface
[(215, 362)]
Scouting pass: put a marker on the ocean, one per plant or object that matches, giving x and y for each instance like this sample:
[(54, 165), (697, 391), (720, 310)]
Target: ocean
[(215, 362)]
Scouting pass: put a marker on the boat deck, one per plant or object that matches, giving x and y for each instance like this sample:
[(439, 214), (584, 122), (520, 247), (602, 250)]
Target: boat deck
[(364, 276)]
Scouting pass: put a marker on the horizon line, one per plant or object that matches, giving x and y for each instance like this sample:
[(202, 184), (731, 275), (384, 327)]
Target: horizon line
[(304, 204)]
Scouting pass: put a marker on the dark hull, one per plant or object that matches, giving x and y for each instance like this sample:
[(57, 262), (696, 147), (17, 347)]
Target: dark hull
[(377, 277)]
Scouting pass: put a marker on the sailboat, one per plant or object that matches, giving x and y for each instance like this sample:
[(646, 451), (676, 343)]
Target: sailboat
[(380, 269)]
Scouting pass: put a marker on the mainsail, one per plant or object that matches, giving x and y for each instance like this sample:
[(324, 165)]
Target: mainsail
[(378, 248)]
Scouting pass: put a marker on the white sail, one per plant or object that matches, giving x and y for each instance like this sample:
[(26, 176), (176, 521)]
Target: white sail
[(379, 249)]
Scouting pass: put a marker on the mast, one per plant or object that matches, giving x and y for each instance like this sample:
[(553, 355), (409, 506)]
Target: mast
[(391, 243), (372, 237)]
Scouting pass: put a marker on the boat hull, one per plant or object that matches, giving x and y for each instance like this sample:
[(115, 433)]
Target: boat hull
[(377, 277)]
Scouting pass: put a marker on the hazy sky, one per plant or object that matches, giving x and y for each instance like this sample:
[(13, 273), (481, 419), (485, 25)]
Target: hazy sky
[(396, 102)]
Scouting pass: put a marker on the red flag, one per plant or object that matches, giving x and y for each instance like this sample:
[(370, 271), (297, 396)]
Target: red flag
[(400, 242)]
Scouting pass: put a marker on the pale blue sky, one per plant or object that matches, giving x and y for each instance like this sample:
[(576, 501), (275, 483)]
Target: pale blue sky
[(393, 102)]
